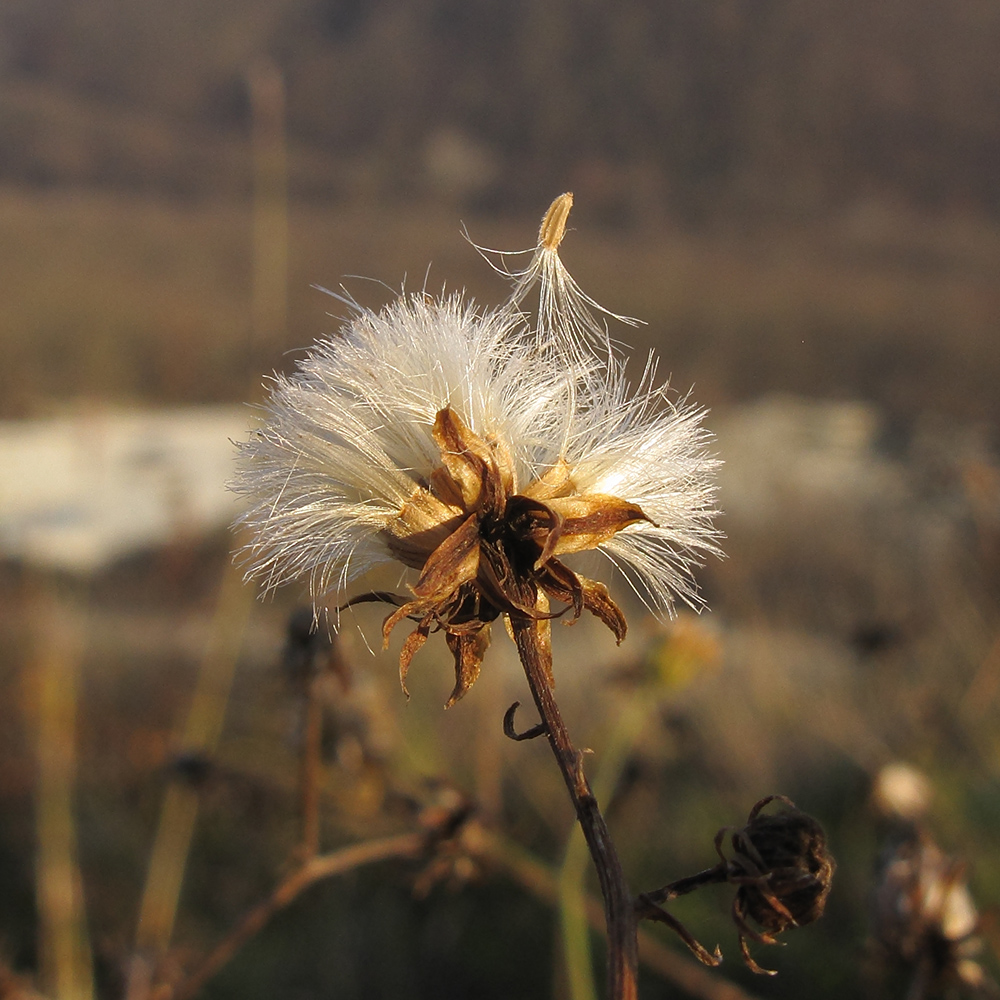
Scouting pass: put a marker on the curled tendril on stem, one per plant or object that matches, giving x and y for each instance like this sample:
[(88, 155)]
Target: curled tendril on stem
[(541, 729)]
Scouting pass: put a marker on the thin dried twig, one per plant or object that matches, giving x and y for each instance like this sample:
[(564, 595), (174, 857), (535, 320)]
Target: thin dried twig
[(407, 845), (710, 876), (178, 816)]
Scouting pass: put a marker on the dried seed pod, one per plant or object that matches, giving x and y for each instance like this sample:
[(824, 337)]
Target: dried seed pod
[(924, 917), (783, 872), (790, 870)]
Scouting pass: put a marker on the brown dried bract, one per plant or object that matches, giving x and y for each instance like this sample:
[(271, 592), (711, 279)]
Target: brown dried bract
[(485, 549)]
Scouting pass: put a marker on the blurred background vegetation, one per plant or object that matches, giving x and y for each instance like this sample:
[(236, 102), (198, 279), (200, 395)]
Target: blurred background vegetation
[(800, 198)]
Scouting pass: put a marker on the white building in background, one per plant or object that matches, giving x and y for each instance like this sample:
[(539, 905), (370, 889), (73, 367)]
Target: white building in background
[(80, 491)]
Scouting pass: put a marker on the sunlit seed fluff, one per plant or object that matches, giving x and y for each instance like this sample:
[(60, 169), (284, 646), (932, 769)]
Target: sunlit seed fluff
[(348, 438)]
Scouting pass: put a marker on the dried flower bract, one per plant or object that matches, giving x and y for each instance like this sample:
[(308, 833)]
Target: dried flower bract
[(481, 450)]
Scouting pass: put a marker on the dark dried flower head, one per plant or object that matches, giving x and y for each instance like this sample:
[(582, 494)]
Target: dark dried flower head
[(787, 851), (307, 648), (924, 915), (782, 869), (784, 872)]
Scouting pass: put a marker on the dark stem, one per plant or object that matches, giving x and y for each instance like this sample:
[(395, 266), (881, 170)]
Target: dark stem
[(619, 910), (710, 876), (310, 767)]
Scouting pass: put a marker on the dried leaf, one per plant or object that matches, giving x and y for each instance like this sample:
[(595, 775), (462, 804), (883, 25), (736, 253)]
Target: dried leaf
[(412, 609), (502, 586), (598, 601), (550, 545), (480, 470), (560, 582), (503, 462), (421, 526), (564, 585), (446, 489)]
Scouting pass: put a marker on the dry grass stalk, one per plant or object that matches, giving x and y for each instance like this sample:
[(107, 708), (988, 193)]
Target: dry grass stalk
[(200, 736), (66, 966)]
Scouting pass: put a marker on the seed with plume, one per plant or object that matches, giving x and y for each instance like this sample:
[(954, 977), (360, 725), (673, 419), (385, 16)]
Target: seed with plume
[(482, 450)]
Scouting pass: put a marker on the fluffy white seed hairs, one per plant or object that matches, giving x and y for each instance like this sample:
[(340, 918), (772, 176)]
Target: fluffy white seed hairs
[(348, 438)]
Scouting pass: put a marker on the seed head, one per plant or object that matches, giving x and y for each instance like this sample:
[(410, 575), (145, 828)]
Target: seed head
[(782, 870), (787, 852), (925, 918), (481, 450)]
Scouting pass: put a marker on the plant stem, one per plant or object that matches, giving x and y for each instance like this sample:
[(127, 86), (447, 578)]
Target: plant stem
[(619, 911), (715, 874), (629, 723), (59, 628), (310, 766)]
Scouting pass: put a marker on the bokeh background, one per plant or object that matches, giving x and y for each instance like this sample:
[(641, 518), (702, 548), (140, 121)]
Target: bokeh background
[(801, 201)]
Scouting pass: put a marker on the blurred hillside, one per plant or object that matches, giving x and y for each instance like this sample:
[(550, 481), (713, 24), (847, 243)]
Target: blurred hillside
[(696, 111), (797, 197)]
